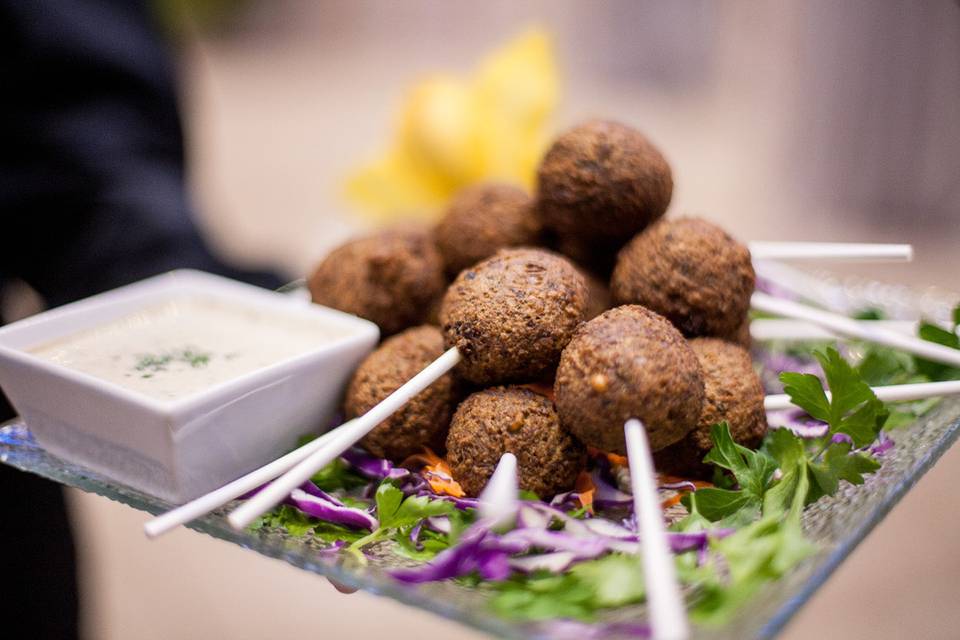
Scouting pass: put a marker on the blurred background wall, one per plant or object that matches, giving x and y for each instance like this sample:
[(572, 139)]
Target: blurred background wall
[(802, 120)]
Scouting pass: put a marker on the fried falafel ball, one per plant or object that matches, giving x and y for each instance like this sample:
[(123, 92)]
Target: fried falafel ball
[(512, 314), (494, 421), (628, 363), (597, 186), (689, 271), (389, 278), (734, 394), (421, 422), (483, 219)]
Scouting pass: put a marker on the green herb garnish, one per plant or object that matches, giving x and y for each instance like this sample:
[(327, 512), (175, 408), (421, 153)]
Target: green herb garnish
[(151, 363), (398, 515), (580, 593)]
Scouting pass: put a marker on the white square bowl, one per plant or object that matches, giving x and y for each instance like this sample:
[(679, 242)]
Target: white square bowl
[(178, 449)]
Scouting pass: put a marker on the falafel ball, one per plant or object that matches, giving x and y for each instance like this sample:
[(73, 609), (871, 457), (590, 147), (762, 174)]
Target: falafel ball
[(389, 278), (689, 271), (628, 362), (512, 314), (494, 421), (483, 219), (598, 185), (421, 422), (733, 394)]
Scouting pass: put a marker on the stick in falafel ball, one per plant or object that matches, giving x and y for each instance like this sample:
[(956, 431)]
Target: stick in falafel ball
[(628, 363), (509, 316), (495, 421), (734, 394), (512, 314), (598, 185), (389, 277), (483, 219), (689, 271), (421, 422)]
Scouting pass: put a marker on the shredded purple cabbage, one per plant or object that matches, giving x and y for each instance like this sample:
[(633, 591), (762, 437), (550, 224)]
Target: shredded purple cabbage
[(883, 444), (373, 467), (332, 510), (840, 438), (607, 496), (799, 422)]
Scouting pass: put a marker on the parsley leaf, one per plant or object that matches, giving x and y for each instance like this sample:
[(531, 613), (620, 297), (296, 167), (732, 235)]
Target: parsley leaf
[(394, 511), (853, 409), (744, 562), (429, 544), (752, 470), (612, 581), (948, 338), (338, 475), (299, 524), (398, 515)]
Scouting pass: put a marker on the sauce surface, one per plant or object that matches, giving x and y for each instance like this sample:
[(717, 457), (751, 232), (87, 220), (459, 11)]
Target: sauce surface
[(179, 347)]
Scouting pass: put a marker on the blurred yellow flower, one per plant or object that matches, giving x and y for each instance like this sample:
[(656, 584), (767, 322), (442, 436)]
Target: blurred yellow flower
[(455, 131)]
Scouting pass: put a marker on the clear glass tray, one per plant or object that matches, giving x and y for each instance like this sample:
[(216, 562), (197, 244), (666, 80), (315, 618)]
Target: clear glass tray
[(837, 524)]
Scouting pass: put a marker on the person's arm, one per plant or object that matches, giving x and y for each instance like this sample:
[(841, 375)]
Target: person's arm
[(91, 163)]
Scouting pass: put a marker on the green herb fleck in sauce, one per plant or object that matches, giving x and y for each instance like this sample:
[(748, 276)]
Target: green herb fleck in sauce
[(150, 363)]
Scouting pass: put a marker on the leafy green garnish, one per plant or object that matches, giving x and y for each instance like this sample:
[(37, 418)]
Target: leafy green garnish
[(429, 544), (769, 480), (948, 338), (753, 471), (743, 563), (853, 409), (338, 475), (299, 524), (588, 587), (398, 515)]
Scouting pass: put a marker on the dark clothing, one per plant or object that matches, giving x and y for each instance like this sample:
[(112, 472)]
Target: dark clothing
[(91, 197)]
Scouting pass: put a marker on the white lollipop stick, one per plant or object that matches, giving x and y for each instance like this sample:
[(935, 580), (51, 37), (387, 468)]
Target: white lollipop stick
[(836, 251), (763, 329), (847, 327), (498, 500), (219, 497), (342, 438), (668, 617), (892, 393)]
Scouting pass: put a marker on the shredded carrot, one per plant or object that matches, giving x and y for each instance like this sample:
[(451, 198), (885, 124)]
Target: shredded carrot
[(617, 460), (436, 472), (663, 478), (585, 490), (669, 502)]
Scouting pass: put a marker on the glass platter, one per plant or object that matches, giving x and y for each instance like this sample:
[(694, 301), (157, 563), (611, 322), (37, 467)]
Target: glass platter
[(836, 524)]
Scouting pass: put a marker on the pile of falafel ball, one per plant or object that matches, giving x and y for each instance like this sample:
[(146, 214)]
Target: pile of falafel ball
[(554, 360)]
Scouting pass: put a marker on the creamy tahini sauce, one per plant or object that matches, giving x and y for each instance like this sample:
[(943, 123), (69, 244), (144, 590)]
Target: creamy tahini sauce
[(183, 346)]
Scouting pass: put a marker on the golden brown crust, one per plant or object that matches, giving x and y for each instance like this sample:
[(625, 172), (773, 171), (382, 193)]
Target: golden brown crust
[(734, 394), (494, 421), (689, 271), (628, 363), (421, 422), (512, 314), (389, 278), (483, 219), (598, 185)]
